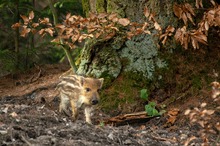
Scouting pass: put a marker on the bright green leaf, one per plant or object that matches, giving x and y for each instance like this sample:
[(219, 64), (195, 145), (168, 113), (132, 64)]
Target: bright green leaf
[(144, 94)]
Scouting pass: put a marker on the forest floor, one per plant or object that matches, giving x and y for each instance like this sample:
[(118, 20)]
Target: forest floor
[(29, 116)]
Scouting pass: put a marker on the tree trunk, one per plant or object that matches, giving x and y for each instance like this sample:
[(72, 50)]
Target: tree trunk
[(138, 55)]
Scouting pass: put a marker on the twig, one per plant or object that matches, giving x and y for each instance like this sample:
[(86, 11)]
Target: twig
[(25, 140), (32, 79), (163, 139), (189, 140)]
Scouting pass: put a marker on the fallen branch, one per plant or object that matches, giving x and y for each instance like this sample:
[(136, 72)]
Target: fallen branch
[(25, 140), (138, 117), (163, 139)]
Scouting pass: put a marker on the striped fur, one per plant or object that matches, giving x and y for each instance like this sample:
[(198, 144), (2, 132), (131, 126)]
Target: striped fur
[(77, 91)]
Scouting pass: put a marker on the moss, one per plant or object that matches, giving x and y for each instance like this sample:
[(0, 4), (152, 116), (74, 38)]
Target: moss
[(100, 6), (121, 96), (116, 6), (86, 7), (100, 60), (142, 53)]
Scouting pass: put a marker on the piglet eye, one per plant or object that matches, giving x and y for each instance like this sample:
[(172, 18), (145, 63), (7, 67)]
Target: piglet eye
[(88, 89)]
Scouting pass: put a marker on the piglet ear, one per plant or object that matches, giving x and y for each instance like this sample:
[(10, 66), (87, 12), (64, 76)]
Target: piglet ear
[(101, 80)]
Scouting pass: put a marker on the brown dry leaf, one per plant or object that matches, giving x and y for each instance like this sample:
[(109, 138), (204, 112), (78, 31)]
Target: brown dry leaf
[(25, 19), (68, 16), (31, 15), (187, 112), (146, 12), (49, 30), (192, 115), (189, 8), (203, 104), (41, 31), (144, 25), (45, 21), (184, 17), (114, 28), (74, 38), (206, 26), (170, 29), (147, 32), (177, 10), (184, 12), (189, 140), (112, 16), (34, 31), (215, 85), (25, 31), (34, 25), (60, 26), (164, 38), (189, 16), (169, 32), (16, 25), (194, 43), (201, 123), (171, 120), (197, 4), (217, 126), (173, 112), (213, 2), (92, 16), (13, 114), (84, 36), (217, 21), (129, 35), (157, 26), (210, 16), (208, 112), (124, 21), (102, 15)]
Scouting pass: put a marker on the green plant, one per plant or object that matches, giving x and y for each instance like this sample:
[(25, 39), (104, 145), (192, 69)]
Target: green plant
[(101, 124), (150, 108)]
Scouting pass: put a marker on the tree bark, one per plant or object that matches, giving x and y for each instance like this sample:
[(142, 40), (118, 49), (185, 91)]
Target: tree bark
[(138, 55)]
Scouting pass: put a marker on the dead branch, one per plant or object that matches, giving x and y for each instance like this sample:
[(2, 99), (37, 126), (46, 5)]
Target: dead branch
[(138, 117), (163, 139), (25, 140)]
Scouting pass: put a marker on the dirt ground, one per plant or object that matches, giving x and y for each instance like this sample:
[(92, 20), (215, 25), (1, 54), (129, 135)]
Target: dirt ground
[(29, 116)]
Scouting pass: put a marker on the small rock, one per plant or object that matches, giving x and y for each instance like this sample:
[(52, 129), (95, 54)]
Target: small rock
[(111, 136), (128, 141)]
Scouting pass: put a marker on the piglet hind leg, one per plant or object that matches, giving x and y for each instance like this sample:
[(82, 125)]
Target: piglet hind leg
[(64, 102)]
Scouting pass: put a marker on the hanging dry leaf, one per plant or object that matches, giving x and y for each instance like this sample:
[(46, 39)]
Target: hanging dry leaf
[(177, 10), (184, 12), (124, 21), (49, 30), (25, 19), (146, 12), (169, 32), (31, 15), (112, 16), (157, 26), (25, 31), (199, 4), (16, 25)]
